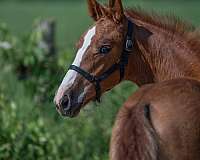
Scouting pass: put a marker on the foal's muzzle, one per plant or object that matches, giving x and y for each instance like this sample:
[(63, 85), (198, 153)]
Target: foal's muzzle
[(69, 105)]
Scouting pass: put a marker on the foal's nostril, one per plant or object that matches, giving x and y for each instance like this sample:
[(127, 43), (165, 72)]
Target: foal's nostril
[(66, 104)]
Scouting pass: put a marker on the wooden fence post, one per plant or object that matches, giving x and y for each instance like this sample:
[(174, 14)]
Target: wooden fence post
[(48, 31)]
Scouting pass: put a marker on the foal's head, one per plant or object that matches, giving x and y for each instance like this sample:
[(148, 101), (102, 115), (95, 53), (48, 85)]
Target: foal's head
[(98, 49)]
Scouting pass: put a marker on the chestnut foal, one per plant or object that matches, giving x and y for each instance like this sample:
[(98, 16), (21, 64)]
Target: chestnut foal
[(127, 45)]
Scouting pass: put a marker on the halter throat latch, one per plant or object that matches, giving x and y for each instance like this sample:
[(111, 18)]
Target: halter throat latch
[(127, 49)]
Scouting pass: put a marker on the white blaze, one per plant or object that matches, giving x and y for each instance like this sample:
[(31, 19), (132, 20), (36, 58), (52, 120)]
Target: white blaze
[(71, 74)]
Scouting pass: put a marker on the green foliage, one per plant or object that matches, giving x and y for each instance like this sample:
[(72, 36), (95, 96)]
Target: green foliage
[(30, 62), (32, 132), (30, 127)]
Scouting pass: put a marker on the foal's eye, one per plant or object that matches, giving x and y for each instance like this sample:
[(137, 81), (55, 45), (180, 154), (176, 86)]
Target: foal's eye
[(105, 49)]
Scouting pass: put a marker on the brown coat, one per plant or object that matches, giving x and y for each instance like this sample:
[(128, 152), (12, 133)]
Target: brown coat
[(159, 121)]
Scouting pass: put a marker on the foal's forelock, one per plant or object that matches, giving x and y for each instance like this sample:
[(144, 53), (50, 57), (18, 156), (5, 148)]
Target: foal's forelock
[(71, 75)]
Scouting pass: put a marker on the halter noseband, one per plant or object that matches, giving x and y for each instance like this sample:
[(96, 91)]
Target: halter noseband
[(96, 80)]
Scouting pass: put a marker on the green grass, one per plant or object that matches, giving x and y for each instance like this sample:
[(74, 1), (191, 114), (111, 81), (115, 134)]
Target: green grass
[(20, 17), (72, 17)]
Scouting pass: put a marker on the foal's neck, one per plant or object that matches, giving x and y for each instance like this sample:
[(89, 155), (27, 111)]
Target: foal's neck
[(161, 55)]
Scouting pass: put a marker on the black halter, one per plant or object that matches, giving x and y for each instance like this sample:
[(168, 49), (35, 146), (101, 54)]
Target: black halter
[(96, 80)]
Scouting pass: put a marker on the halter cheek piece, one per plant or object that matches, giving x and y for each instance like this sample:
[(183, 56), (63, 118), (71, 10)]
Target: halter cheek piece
[(96, 80)]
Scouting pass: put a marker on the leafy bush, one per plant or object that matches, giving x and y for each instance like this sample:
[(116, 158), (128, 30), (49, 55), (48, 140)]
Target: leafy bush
[(32, 130), (31, 63)]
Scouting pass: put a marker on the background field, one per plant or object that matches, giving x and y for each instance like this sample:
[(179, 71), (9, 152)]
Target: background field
[(30, 127), (72, 18)]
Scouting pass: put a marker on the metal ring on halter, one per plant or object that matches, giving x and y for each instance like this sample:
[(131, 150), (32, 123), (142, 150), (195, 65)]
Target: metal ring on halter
[(128, 47)]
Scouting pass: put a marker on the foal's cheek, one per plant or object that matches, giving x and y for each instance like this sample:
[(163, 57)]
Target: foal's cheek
[(89, 94), (111, 82)]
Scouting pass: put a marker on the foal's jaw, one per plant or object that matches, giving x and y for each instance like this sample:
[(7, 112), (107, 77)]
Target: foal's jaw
[(69, 102)]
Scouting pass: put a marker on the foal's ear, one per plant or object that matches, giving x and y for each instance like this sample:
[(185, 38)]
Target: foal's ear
[(117, 7), (96, 10)]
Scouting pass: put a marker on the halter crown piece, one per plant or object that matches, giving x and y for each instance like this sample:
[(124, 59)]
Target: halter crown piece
[(96, 80)]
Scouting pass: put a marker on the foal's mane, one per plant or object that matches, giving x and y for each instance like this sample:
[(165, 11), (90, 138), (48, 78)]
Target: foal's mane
[(170, 23)]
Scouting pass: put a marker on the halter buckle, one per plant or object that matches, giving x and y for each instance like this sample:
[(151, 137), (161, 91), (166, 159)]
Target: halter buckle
[(129, 45)]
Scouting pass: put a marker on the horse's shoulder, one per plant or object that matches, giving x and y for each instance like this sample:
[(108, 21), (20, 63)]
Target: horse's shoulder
[(138, 96), (164, 92)]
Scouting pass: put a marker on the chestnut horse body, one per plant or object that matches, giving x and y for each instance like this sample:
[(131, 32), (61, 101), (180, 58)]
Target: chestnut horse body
[(159, 122), (161, 49)]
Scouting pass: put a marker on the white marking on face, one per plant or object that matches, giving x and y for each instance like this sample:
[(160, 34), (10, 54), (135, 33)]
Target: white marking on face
[(70, 77)]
